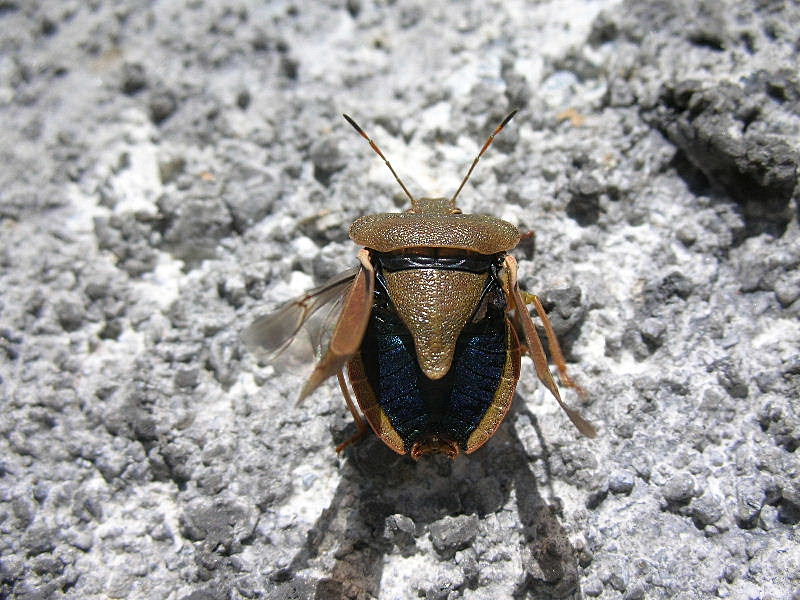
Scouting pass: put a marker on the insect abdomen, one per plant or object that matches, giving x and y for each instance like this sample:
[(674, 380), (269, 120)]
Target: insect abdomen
[(405, 407)]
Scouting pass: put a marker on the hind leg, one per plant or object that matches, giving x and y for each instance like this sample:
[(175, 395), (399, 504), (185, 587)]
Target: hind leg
[(363, 428)]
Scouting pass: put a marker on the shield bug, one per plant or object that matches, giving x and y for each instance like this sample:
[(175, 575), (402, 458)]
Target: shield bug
[(431, 328)]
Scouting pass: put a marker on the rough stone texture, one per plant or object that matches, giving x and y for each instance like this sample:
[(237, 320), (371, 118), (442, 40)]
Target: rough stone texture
[(170, 170)]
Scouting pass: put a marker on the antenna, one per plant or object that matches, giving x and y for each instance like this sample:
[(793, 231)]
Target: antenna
[(374, 146), (485, 147)]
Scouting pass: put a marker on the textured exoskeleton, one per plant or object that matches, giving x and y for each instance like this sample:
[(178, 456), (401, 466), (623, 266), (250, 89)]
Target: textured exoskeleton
[(431, 329)]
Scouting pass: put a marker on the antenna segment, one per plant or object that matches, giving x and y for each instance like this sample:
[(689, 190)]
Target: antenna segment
[(477, 158), (374, 146)]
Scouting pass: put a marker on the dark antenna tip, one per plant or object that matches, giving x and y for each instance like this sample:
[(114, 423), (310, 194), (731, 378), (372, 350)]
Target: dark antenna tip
[(377, 150), (509, 117), (355, 125), (349, 119), (488, 143)]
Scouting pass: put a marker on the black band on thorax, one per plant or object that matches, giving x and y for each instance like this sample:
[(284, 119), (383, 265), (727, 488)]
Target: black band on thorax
[(471, 263)]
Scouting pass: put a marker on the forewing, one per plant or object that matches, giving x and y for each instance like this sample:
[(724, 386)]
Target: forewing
[(349, 331), (271, 334)]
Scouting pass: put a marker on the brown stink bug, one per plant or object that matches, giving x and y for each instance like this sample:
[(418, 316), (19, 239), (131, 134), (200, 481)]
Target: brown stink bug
[(431, 328)]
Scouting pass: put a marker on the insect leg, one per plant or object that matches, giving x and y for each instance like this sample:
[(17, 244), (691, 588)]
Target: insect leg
[(363, 428), (522, 320), (552, 340)]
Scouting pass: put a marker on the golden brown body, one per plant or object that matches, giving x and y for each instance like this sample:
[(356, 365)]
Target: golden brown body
[(432, 327)]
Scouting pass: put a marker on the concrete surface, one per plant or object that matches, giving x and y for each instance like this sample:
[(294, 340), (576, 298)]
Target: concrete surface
[(170, 170)]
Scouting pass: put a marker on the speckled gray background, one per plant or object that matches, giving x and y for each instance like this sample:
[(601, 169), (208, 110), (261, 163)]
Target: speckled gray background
[(168, 172)]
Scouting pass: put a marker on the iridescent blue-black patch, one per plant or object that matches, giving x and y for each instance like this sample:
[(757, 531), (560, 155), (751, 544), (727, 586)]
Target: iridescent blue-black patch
[(453, 405)]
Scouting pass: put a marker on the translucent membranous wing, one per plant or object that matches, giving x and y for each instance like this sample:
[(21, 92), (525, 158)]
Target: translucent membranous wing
[(271, 334)]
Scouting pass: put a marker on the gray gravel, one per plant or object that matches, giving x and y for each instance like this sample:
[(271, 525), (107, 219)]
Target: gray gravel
[(170, 171)]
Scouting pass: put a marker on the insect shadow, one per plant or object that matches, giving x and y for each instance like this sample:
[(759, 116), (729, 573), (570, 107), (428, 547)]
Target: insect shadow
[(386, 501)]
